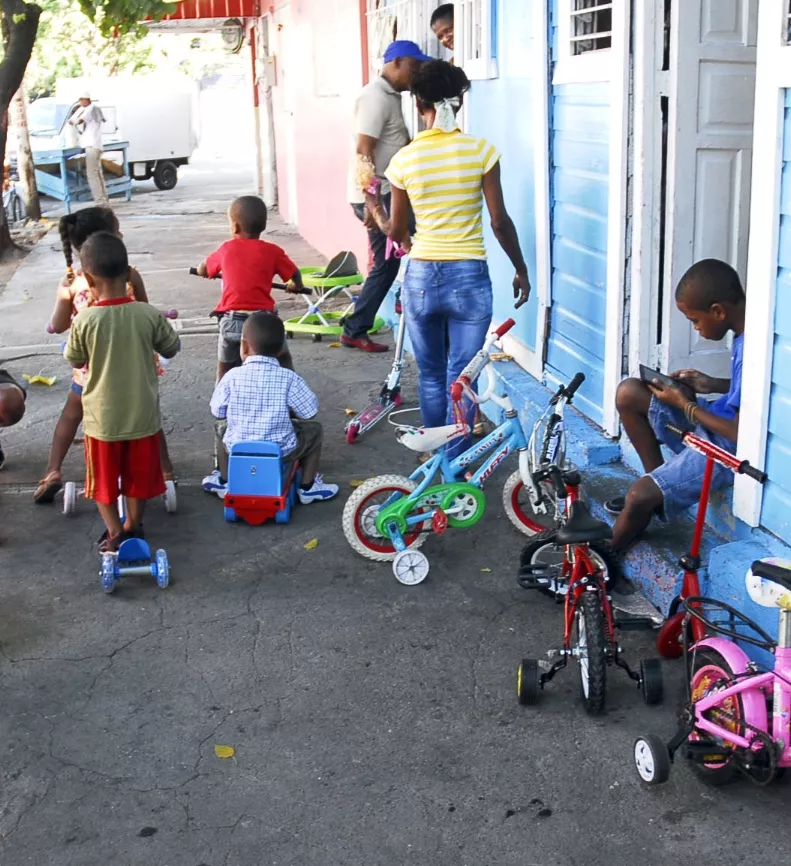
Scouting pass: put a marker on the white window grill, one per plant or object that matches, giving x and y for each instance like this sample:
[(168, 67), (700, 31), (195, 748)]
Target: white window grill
[(591, 26)]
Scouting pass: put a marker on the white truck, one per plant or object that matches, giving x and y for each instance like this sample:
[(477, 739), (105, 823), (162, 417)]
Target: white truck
[(158, 115)]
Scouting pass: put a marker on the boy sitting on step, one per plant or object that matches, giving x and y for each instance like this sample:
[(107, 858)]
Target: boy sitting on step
[(261, 400), (711, 296)]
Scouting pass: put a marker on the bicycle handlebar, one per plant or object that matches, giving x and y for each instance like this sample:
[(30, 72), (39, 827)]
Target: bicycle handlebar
[(571, 388), (471, 372), (720, 455), (303, 291)]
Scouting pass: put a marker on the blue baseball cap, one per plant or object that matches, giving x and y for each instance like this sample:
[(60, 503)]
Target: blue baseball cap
[(404, 48)]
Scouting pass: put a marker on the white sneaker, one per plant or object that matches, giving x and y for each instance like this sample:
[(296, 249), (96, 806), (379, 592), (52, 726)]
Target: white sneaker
[(318, 492), (214, 484)]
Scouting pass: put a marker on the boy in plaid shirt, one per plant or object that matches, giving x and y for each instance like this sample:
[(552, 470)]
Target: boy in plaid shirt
[(266, 402)]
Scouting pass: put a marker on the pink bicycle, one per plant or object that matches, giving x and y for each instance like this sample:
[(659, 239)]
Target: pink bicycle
[(737, 718)]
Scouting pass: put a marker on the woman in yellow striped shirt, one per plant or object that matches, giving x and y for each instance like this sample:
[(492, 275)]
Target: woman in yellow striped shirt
[(445, 175)]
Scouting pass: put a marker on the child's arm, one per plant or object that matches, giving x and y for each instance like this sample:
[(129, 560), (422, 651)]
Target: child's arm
[(166, 340), (60, 320), (76, 352), (701, 383), (295, 284), (288, 271), (138, 286), (221, 397), (301, 400), (727, 427)]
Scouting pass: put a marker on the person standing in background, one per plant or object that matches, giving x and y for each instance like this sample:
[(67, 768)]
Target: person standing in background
[(379, 133), (88, 119)]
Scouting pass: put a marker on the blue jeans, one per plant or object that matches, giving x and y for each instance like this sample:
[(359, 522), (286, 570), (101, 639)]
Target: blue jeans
[(377, 284), (448, 310)]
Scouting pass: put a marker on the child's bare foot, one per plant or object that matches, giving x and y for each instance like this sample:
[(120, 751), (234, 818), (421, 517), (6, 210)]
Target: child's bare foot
[(48, 488)]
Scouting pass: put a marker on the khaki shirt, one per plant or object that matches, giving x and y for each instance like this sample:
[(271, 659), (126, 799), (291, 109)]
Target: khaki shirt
[(377, 113)]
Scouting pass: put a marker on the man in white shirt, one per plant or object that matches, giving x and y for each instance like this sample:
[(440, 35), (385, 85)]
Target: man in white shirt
[(88, 119)]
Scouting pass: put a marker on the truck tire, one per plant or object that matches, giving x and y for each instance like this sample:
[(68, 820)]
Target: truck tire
[(166, 175)]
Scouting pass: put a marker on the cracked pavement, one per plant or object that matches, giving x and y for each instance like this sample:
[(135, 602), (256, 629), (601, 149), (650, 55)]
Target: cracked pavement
[(372, 723)]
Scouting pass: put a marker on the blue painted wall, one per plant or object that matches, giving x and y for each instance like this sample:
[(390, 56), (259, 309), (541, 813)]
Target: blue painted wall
[(580, 139), (776, 512), (501, 111)]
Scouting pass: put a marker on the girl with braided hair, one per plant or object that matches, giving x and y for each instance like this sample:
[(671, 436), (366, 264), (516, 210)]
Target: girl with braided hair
[(74, 295)]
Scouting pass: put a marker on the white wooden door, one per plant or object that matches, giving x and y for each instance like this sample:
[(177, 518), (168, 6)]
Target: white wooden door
[(287, 60), (710, 140)]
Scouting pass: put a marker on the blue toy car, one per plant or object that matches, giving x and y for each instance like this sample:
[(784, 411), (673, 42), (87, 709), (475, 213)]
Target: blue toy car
[(261, 486)]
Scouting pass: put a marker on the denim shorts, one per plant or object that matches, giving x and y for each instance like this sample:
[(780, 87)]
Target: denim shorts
[(680, 478)]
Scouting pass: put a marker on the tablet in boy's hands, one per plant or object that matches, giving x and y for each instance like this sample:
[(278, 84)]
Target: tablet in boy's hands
[(647, 374)]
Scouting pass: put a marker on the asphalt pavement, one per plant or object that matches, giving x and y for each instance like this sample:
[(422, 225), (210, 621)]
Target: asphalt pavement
[(371, 724)]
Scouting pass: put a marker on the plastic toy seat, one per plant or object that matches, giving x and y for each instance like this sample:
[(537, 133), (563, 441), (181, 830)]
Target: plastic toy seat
[(261, 486)]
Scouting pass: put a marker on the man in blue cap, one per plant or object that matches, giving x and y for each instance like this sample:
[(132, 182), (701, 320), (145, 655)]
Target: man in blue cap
[(379, 133)]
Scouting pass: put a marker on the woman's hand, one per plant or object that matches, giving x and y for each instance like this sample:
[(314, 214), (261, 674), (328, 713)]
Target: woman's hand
[(521, 288)]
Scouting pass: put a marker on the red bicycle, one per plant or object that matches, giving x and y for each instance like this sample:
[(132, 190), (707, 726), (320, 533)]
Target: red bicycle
[(568, 562), (669, 642)]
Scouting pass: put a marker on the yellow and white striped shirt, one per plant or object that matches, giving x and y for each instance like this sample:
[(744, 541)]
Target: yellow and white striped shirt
[(442, 173)]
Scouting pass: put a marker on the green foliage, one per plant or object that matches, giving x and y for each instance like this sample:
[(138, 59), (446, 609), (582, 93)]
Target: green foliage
[(88, 50), (118, 17)]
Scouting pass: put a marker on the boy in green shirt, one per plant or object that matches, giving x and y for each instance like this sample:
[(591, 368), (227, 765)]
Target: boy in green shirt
[(117, 338)]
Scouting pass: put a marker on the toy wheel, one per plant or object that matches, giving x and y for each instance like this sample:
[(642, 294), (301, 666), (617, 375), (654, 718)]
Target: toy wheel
[(285, 515), (651, 684), (317, 338), (410, 567), (651, 759), (359, 517), (229, 514), (290, 335), (352, 432), (108, 572), (69, 497), (163, 569), (516, 501), (712, 673), (170, 497), (590, 648), (543, 550), (527, 682)]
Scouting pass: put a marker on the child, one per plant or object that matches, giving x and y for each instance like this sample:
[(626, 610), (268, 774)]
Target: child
[(257, 401), (117, 338), (710, 295), (247, 265), (73, 296)]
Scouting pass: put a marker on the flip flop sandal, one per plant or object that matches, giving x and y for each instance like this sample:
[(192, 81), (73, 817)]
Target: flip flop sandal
[(48, 488)]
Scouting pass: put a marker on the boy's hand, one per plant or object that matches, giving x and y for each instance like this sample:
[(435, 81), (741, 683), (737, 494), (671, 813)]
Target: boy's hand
[(201, 269), (521, 288), (669, 396), (699, 382)]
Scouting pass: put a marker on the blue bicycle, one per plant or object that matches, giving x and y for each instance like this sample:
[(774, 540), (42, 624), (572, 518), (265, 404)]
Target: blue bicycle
[(389, 517)]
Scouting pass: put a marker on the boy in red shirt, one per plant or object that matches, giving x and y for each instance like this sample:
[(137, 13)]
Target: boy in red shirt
[(247, 265), (117, 338)]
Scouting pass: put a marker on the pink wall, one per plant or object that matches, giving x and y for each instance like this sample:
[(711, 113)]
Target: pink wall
[(322, 54)]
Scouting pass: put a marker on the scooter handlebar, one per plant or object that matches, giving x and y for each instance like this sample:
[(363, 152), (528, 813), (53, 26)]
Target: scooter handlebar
[(504, 328), (752, 472)]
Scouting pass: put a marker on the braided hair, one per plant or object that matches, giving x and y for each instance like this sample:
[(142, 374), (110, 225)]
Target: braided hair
[(75, 228), (436, 80)]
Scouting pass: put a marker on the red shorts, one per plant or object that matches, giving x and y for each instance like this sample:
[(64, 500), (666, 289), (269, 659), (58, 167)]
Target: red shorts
[(135, 462)]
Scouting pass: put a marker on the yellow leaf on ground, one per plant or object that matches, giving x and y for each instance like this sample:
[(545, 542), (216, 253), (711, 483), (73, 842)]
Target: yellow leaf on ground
[(486, 570), (350, 411), (312, 544), (355, 482), (38, 379), (224, 751), (334, 346)]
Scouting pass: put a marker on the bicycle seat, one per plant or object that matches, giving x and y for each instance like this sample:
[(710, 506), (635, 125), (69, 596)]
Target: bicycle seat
[(769, 583), (582, 526)]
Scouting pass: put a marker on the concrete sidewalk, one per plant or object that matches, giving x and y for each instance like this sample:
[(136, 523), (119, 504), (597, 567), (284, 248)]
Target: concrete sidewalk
[(372, 723)]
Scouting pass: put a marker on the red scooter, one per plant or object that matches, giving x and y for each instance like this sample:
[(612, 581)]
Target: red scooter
[(669, 641)]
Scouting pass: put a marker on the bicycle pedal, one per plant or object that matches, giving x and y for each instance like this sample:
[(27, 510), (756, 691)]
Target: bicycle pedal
[(439, 522), (635, 623), (707, 750)]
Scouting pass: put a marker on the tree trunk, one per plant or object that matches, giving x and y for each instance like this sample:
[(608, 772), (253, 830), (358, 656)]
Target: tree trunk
[(27, 173), (19, 25)]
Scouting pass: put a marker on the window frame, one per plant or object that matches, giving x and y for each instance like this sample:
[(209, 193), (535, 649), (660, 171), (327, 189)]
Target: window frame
[(484, 67), (590, 67)]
